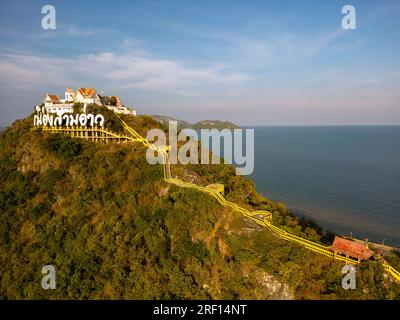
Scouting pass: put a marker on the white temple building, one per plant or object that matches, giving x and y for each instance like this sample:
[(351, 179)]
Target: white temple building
[(54, 104)]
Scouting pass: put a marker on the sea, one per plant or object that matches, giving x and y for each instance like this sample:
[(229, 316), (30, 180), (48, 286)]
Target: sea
[(345, 178)]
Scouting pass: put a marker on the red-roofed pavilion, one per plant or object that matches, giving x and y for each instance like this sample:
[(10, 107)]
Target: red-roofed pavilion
[(352, 249)]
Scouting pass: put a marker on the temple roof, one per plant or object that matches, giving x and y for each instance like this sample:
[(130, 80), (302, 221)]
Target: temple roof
[(351, 248), (53, 97), (87, 92)]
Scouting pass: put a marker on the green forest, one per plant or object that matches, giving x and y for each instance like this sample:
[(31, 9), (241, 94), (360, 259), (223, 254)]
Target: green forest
[(114, 229)]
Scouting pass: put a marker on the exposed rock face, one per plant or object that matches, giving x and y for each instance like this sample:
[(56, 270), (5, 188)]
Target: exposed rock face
[(163, 192), (275, 290), (33, 159)]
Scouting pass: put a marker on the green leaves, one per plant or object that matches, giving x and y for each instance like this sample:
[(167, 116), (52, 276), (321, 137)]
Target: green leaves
[(96, 213), (63, 147)]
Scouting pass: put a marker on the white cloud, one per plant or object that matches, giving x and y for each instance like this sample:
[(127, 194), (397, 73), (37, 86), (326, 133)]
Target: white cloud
[(274, 49), (128, 70), (263, 47), (66, 31), (78, 32)]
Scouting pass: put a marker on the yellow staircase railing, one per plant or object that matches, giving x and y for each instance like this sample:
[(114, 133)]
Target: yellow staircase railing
[(393, 272), (95, 133), (261, 217), (264, 221)]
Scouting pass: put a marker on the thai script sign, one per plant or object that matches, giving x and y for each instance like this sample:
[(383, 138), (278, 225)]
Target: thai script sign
[(42, 118)]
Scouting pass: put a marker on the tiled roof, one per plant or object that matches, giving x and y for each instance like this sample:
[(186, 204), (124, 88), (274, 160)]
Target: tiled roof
[(351, 248), (70, 90), (87, 92), (53, 98)]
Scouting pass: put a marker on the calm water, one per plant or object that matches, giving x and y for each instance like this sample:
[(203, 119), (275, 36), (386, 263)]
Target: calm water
[(345, 178)]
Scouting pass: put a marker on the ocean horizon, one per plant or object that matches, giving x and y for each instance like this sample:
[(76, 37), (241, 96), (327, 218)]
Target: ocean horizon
[(344, 177)]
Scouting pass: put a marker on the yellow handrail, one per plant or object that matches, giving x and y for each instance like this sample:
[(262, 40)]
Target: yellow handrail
[(108, 133), (265, 221), (393, 272)]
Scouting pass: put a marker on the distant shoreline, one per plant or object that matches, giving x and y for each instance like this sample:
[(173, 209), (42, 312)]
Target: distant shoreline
[(300, 214)]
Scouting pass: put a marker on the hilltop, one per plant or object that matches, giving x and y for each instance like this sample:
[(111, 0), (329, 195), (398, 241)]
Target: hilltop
[(204, 124), (114, 229)]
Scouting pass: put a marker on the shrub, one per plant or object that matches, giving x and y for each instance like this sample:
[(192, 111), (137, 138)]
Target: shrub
[(63, 147)]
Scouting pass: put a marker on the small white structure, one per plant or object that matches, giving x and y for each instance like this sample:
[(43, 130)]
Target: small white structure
[(69, 95), (50, 100), (117, 106), (60, 108), (53, 104), (122, 110)]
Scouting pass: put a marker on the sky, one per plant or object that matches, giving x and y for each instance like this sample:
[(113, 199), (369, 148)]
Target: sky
[(250, 62)]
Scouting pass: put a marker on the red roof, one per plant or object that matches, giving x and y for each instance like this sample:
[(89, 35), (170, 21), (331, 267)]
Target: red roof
[(53, 98), (87, 92), (351, 248)]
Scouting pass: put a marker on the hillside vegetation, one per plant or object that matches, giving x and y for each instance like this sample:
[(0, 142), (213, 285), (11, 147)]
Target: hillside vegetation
[(114, 229)]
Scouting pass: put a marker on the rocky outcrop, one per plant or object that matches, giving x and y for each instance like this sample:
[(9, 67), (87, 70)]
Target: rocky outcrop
[(274, 289)]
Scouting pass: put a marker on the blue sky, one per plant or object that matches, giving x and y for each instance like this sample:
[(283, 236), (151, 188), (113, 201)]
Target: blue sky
[(251, 62)]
